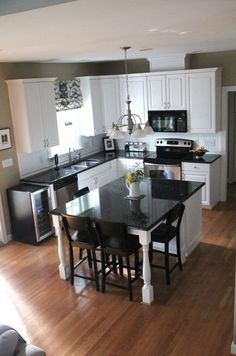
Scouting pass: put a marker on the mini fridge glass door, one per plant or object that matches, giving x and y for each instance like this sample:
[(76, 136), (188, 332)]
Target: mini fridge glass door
[(42, 219)]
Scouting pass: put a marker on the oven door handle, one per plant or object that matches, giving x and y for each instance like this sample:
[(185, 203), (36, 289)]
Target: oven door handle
[(162, 164), (150, 164)]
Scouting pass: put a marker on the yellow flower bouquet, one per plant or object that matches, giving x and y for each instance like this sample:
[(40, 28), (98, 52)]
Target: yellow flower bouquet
[(134, 176)]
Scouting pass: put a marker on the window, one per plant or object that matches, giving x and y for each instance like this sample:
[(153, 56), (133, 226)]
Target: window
[(68, 131)]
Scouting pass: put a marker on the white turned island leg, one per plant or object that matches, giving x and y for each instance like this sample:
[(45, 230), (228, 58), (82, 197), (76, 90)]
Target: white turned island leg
[(64, 268), (147, 289)]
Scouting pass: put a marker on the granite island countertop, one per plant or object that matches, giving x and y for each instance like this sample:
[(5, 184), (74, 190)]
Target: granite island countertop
[(110, 202)]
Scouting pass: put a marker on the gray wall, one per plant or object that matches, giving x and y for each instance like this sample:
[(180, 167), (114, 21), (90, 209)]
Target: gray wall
[(226, 60)]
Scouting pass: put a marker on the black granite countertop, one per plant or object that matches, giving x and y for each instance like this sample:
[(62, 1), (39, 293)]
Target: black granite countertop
[(207, 158), (110, 202), (52, 175)]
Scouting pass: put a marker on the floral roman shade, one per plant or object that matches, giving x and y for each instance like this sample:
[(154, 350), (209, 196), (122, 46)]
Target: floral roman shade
[(68, 94)]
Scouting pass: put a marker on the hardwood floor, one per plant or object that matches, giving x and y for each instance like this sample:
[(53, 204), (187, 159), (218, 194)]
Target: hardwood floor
[(191, 317)]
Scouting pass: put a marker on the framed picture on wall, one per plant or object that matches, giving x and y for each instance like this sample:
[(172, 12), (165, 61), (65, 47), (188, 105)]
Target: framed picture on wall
[(109, 144), (5, 139)]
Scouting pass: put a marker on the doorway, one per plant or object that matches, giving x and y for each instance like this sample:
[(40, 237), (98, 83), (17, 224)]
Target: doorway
[(228, 171), (232, 137), (3, 233)]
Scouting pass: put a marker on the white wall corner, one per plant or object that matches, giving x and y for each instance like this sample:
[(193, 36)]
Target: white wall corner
[(171, 61)]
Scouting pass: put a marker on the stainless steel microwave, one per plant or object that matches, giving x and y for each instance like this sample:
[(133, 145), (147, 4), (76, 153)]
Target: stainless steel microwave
[(168, 121)]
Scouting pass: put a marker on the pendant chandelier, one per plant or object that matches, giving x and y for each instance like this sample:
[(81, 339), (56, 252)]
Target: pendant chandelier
[(132, 123)]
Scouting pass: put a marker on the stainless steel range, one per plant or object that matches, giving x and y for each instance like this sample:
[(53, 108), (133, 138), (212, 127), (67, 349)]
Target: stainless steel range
[(166, 162)]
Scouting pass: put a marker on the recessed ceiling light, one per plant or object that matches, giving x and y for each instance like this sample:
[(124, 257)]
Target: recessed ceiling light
[(153, 29), (146, 49), (183, 33)]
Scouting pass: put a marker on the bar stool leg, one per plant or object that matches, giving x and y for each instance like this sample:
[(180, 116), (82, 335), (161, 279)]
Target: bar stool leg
[(167, 262)]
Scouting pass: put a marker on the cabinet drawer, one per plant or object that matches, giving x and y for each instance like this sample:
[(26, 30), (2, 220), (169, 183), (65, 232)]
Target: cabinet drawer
[(196, 167)]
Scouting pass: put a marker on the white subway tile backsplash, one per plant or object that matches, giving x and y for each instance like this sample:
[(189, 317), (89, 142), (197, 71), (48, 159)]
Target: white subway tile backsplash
[(210, 141), (31, 163)]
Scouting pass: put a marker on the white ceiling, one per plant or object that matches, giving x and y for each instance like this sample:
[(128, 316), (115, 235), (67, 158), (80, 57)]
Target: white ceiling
[(94, 30)]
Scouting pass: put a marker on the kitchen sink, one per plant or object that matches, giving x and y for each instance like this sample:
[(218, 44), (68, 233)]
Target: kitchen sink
[(85, 164)]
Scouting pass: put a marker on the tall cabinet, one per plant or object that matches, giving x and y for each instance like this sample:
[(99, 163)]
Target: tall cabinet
[(91, 117), (110, 99), (138, 96), (203, 89), (32, 103)]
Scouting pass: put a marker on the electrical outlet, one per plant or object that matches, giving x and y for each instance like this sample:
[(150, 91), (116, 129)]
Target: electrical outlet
[(7, 163), (210, 142)]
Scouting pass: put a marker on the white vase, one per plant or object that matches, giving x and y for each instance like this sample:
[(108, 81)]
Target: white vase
[(134, 190)]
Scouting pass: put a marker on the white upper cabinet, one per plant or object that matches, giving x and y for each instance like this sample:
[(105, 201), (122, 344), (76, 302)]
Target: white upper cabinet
[(91, 116), (32, 103), (138, 96), (203, 101), (166, 92), (110, 98)]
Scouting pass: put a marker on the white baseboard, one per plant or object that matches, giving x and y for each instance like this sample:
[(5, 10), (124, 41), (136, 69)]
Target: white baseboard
[(233, 348)]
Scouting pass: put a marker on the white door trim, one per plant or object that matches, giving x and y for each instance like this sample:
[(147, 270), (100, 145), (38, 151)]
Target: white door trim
[(224, 138), (3, 233)]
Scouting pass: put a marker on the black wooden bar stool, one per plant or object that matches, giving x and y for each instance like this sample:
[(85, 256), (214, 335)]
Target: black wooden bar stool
[(114, 240), (80, 233), (164, 233)]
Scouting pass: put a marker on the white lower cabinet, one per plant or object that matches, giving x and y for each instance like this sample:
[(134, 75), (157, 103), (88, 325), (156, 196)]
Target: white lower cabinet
[(98, 176), (208, 174)]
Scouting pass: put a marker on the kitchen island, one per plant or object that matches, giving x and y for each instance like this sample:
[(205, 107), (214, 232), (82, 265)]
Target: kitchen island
[(158, 197)]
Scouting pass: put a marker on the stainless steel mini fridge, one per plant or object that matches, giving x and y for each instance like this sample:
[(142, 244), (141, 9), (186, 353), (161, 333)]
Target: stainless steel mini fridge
[(29, 213)]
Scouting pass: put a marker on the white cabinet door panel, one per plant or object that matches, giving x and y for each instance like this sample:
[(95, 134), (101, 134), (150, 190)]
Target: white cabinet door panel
[(198, 178), (47, 99), (175, 92), (34, 116), (111, 104), (201, 102), (156, 92), (138, 96)]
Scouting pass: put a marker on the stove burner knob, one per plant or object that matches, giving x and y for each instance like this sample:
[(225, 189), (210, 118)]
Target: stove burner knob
[(161, 141), (184, 142), (157, 141)]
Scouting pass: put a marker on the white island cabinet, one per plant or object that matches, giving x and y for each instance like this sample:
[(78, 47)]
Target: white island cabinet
[(33, 110)]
